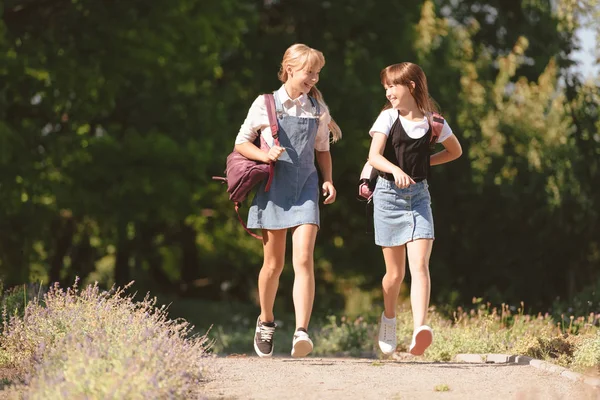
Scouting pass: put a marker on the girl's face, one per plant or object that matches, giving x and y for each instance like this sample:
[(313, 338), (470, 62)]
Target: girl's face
[(398, 95), (302, 80)]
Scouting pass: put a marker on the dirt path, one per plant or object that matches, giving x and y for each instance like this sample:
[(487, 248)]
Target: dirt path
[(358, 378)]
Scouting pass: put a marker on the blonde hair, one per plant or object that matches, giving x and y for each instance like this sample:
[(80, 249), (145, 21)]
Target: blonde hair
[(300, 56), (405, 73)]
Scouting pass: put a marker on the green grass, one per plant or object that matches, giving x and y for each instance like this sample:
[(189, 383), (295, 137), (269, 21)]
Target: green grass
[(230, 325), (83, 334), (571, 342)]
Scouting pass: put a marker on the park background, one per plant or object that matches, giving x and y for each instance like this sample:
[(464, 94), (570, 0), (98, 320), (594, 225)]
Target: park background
[(115, 115)]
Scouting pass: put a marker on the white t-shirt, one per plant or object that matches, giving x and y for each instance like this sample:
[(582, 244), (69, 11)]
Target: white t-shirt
[(258, 120), (414, 129)]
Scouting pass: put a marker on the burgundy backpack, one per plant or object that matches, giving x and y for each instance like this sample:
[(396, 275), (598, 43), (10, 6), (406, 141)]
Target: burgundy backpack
[(368, 175), (243, 174)]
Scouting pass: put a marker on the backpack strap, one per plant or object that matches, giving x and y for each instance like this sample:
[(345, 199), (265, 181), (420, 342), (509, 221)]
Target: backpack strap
[(437, 123), (278, 105), (237, 211), (270, 101), (271, 110), (316, 107)]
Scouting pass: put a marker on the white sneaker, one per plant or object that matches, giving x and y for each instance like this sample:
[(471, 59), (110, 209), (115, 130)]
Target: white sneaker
[(387, 335), (422, 339), (301, 344)]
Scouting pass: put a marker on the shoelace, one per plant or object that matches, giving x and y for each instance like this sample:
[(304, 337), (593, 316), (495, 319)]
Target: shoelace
[(266, 333), (389, 332)]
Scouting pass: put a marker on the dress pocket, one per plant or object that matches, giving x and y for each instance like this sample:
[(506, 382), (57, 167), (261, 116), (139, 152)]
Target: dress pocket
[(386, 199)]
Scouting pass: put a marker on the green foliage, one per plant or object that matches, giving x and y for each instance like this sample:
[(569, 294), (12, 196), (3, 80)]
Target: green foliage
[(115, 115), (484, 330), (353, 337), (13, 301), (587, 355)]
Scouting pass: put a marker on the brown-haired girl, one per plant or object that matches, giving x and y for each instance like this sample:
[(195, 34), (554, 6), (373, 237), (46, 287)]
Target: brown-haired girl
[(400, 151)]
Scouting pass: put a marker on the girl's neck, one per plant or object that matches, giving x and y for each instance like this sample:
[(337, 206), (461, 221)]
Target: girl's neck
[(409, 110), (294, 94), (413, 114)]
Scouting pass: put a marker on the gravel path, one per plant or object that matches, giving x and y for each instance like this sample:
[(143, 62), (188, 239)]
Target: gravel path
[(242, 377)]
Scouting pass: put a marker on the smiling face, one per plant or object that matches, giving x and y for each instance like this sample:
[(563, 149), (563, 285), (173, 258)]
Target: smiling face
[(405, 87), (398, 95), (300, 69), (302, 80)]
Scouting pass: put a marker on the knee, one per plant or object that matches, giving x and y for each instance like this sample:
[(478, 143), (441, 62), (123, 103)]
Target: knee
[(419, 267), (393, 278), (273, 266), (303, 261)]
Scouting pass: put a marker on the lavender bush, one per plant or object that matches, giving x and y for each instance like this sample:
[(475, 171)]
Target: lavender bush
[(96, 344)]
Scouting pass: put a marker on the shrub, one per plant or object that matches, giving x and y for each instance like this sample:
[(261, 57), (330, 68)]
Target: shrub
[(14, 300), (353, 337), (587, 354), (101, 344)]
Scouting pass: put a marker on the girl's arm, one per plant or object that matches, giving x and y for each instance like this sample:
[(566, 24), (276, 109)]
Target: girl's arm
[(452, 150), (325, 165), (250, 151), (379, 162), (376, 158), (255, 121)]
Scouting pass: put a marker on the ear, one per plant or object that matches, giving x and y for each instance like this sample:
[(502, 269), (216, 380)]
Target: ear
[(289, 71), (412, 85)]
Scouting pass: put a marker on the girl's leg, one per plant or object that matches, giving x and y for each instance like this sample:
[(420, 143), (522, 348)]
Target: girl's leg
[(268, 278), (303, 242), (395, 264), (419, 252), (395, 267)]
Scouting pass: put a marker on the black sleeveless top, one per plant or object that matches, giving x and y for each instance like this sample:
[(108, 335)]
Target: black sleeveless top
[(411, 155)]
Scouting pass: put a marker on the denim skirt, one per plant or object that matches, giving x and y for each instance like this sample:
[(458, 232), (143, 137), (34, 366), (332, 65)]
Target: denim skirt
[(401, 215)]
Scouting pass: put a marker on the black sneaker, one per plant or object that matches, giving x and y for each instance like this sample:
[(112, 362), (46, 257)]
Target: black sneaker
[(263, 339)]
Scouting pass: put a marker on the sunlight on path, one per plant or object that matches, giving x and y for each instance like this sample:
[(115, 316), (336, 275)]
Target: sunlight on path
[(337, 378)]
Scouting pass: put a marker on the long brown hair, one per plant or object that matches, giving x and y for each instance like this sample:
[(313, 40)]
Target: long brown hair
[(300, 56), (405, 73)]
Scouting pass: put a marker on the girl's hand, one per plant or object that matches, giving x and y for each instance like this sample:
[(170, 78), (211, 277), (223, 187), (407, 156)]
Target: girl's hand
[(402, 180), (274, 153), (329, 191)]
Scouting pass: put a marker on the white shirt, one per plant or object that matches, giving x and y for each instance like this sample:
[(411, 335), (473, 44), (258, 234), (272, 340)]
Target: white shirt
[(258, 120), (414, 129)]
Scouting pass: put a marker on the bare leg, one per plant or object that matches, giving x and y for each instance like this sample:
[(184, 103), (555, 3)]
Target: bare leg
[(303, 242), (419, 252), (268, 278), (395, 267)]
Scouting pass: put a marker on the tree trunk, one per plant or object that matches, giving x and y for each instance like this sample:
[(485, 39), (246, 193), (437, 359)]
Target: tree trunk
[(14, 262), (122, 273), (63, 228), (83, 257), (190, 265)]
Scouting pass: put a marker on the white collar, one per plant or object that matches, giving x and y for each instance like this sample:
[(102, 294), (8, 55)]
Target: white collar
[(284, 97)]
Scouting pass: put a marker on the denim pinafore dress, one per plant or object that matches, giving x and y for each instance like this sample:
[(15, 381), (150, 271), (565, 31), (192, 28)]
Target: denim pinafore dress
[(293, 198)]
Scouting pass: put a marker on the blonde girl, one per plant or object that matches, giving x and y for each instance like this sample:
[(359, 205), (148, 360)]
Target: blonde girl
[(292, 201)]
